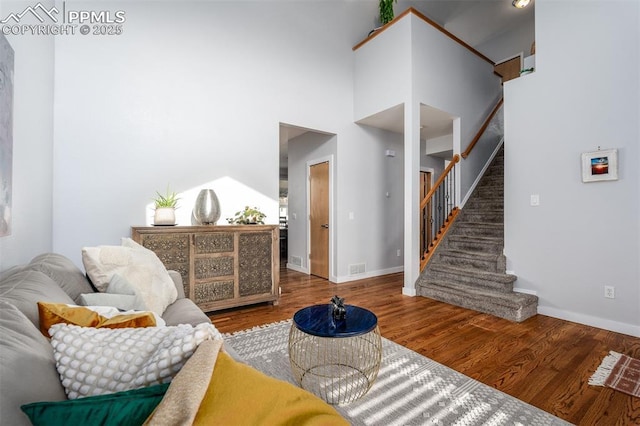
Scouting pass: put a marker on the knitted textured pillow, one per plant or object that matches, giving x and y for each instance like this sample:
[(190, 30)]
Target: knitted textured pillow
[(97, 361)]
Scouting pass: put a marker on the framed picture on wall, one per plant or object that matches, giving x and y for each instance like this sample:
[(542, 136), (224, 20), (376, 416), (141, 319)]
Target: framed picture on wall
[(6, 134), (600, 165)]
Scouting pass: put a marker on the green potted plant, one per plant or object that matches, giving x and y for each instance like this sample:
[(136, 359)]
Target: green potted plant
[(165, 208), (386, 11), (385, 8), (248, 216)]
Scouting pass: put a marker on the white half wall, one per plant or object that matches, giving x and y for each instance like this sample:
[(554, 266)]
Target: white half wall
[(582, 236)]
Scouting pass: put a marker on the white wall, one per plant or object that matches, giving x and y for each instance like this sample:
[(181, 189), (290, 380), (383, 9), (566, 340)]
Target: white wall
[(449, 77), (365, 176), (583, 236), (192, 94), (510, 43), (382, 70), (437, 145), (32, 145)]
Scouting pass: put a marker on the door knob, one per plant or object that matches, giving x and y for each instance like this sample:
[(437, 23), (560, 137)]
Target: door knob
[(326, 225)]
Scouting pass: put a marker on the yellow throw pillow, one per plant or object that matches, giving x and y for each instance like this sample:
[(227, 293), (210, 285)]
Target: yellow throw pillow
[(56, 313), (241, 395)]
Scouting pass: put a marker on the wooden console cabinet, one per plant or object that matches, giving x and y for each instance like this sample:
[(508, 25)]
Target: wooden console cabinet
[(221, 266)]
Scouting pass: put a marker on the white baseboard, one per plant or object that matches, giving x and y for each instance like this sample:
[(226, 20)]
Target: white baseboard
[(370, 274), (605, 324), (525, 290), (409, 291), (297, 268)]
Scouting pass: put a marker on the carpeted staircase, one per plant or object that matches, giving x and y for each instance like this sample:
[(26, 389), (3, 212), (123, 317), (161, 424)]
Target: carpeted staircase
[(468, 267)]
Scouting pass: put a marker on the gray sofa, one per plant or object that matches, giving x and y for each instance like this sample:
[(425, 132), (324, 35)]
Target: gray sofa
[(27, 366)]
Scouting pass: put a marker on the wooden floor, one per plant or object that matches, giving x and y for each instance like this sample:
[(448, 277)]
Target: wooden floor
[(543, 361)]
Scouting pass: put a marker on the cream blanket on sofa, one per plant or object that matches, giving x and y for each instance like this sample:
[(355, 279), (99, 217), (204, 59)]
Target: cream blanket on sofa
[(212, 388), (182, 400)]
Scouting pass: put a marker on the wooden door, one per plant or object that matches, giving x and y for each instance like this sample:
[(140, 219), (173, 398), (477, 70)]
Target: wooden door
[(319, 220), (425, 215), (509, 69)]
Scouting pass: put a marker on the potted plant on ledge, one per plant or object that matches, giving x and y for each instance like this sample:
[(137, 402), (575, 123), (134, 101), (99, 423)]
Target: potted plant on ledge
[(385, 7), (165, 208), (248, 216)]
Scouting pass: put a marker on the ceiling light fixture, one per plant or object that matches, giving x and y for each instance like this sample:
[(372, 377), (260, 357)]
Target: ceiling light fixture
[(521, 4)]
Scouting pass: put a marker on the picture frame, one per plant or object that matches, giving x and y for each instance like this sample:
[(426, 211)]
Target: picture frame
[(600, 165), (6, 135)]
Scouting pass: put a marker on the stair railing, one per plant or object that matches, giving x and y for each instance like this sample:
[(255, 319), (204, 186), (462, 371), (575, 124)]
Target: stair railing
[(486, 123), (438, 209)]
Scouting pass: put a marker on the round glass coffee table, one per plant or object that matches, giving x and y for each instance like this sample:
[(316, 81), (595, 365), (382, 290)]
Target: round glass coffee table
[(337, 360)]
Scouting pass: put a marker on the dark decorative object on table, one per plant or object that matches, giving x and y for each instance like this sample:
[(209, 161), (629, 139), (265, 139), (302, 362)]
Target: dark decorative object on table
[(339, 312)]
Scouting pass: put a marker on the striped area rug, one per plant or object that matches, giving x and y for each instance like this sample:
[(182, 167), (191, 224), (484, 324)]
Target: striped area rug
[(410, 389)]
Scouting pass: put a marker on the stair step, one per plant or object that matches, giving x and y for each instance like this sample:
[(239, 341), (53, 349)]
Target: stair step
[(484, 215), (495, 170), (470, 259), (491, 280), (492, 180), (478, 229), (491, 191), (490, 203), (511, 306), (493, 245)]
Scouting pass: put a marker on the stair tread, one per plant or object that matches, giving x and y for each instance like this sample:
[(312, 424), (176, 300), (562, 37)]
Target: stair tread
[(511, 298), (477, 239), (485, 224), (470, 254), (494, 276)]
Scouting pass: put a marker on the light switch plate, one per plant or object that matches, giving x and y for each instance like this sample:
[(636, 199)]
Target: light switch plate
[(535, 200)]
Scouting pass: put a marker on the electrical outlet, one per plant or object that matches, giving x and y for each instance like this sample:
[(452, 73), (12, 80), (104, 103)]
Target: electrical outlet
[(398, 253), (609, 292)]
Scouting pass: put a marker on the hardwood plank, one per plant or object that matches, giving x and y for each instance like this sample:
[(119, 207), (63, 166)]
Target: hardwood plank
[(543, 361)]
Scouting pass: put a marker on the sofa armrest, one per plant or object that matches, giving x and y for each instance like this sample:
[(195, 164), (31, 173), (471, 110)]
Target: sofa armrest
[(177, 280)]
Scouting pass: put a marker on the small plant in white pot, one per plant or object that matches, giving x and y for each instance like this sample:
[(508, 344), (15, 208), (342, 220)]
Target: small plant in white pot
[(248, 216), (165, 208)]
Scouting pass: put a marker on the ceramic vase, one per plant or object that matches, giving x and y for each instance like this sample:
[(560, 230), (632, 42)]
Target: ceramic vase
[(207, 208), (164, 216)]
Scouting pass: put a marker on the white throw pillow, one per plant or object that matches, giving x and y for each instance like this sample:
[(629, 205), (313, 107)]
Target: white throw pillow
[(98, 361), (139, 266)]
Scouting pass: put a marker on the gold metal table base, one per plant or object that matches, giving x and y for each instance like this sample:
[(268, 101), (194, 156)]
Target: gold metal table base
[(337, 369)]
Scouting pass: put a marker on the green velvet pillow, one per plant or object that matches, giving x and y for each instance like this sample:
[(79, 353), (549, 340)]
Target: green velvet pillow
[(130, 407)]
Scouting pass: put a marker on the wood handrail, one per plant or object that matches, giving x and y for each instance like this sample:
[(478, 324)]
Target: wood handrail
[(475, 140), (426, 256), (425, 200), (430, 22)]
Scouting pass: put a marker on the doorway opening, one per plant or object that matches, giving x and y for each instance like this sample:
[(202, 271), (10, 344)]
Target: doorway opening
[(300, 148)]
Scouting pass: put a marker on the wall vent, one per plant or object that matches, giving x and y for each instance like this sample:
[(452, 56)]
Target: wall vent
[(357, 268), (296, 260)]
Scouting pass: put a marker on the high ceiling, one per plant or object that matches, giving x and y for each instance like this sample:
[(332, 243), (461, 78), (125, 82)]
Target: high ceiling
[(473, 21)]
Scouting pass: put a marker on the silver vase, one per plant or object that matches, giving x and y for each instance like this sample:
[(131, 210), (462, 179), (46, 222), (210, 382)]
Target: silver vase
[(207, 208)]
